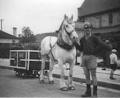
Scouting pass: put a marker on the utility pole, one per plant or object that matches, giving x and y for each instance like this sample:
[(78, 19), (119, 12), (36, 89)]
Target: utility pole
[(1, 21)]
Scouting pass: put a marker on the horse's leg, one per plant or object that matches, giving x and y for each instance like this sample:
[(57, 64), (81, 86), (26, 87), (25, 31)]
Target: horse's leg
[(70, 78), (41, 78), (63, 85), (51, 81)]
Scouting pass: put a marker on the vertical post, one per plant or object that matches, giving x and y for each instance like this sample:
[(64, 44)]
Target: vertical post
[(15, 31), (1, 21)]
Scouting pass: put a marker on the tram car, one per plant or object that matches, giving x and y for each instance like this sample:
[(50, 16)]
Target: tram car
[(27, 62)]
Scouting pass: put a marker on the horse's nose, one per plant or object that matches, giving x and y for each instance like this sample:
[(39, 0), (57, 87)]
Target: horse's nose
[(74, 35)]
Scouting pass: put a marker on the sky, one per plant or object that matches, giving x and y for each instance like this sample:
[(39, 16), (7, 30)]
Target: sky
[(42, 16)]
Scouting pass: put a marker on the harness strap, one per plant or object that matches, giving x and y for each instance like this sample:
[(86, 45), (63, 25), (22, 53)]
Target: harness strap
[(50, 52)]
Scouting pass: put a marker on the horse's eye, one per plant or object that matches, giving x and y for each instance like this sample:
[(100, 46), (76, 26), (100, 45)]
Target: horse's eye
[(66, 25)]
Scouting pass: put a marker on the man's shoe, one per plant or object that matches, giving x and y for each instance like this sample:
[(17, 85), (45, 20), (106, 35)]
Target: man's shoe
[(86, 95), (95, 91), (112, 78), (88, 91), (104, 69)]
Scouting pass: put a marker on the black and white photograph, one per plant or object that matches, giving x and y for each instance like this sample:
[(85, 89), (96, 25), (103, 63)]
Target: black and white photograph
[(60, 48)]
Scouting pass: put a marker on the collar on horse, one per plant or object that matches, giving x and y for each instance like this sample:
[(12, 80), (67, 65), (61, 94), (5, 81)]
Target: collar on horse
[(64, 45)]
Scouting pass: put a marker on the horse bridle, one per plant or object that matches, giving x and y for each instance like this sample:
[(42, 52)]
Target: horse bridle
[(60, 41), (68, 33)]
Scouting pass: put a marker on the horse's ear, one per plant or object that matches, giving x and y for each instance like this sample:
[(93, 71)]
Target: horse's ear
[(65, 17), (71, 18)]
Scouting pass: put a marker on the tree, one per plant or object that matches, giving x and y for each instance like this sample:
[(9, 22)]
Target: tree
[(27, 35)]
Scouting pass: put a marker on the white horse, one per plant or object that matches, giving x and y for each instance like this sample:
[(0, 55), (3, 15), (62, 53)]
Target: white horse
[(62, 49)]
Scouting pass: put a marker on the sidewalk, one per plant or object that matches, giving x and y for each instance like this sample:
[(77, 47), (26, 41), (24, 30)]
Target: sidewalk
[(102, 76)]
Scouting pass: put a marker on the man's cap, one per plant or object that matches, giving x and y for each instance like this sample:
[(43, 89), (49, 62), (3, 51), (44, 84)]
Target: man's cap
[(107, 41), (87, 25), (114, 50)]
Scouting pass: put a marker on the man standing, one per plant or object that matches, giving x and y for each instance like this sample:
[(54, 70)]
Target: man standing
[(113, 63), (91, 46), (106, 57)]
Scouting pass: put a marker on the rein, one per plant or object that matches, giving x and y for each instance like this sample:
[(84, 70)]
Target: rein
[(68, 33)]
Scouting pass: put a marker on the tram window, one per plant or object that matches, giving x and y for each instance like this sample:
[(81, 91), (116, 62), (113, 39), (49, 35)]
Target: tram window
[(35, 55)]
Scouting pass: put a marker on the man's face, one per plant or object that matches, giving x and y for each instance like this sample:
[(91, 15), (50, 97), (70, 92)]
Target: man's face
[(87, 32)]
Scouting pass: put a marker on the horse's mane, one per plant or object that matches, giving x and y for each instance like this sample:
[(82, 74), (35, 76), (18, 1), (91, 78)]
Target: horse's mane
[(60, 28), (60, 32)]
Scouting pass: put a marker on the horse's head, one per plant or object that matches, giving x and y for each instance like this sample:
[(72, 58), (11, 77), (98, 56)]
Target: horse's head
[(67, 30)]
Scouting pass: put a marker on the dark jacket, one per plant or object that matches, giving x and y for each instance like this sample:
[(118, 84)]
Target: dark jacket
[(93, 46)]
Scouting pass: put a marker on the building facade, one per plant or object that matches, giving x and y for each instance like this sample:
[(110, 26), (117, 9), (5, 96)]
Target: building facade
[(104, 15), (6, 41), (6, 38)]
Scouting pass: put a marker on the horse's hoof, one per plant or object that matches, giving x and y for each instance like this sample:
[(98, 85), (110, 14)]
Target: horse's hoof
[(71, 88), (64, 89), (51, 82), (42, 81)]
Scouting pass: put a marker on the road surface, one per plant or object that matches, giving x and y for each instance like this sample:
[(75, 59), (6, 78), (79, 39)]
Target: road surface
[(12, 86)]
